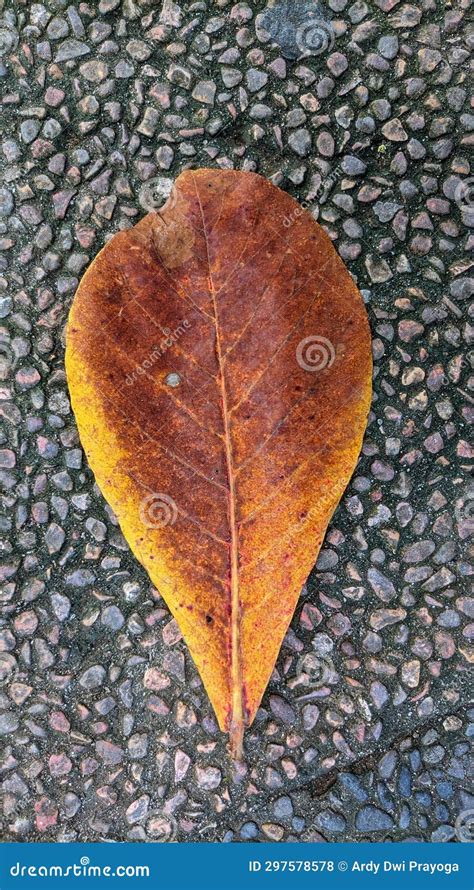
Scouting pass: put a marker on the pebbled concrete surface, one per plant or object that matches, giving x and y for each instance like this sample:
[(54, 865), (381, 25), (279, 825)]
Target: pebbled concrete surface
[(361, 111)]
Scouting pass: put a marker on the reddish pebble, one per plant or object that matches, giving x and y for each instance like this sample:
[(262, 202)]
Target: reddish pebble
[(59, 765), (59, 722), (26, 623), (53, 96), (46, 813)]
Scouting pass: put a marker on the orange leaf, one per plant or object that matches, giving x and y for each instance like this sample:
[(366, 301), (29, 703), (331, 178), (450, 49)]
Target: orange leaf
[(218, 358)]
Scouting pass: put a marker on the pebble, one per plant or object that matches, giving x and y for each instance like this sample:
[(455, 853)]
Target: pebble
[(282, 710), (93, 677), (112, 617), (8, 723), (109, 752), (370, 818), (204, 91), (300, 142), (381, 585), (328, 820), (71, 49), (283, 808), (208, 777), (249, 831), (59, 765), (6, 202), (137, 810)]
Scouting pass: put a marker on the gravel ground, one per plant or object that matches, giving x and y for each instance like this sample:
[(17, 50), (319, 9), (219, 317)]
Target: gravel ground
[(360, 111)]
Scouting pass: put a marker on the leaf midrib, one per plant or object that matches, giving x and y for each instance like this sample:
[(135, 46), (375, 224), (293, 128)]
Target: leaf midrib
[(236, 726)]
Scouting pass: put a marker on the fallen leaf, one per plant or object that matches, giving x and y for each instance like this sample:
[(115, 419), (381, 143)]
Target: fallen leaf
[(219, 363)]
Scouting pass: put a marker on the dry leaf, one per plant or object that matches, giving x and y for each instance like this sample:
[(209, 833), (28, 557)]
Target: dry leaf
[(219, 363)]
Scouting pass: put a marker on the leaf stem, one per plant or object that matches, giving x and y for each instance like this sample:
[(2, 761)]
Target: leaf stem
[(236, 739)]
